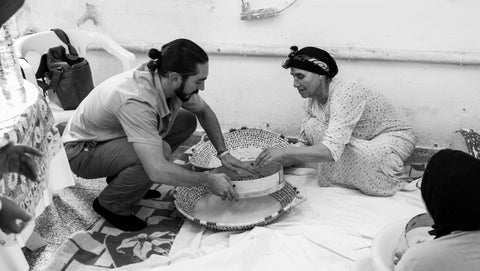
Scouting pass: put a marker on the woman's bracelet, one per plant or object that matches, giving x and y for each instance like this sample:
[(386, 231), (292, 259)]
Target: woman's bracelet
[(221, 154)]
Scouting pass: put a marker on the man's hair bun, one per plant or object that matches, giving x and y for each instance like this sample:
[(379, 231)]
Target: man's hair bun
[(156, 59), (154, 53)]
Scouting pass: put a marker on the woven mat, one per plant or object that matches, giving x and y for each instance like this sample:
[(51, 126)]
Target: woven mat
[(106, 247)]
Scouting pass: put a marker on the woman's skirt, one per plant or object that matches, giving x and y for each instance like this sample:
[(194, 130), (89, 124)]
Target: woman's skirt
[(375, 167)]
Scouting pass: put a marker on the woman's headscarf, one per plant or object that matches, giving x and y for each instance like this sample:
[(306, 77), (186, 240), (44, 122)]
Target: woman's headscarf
[(451, 191), (311, 59)]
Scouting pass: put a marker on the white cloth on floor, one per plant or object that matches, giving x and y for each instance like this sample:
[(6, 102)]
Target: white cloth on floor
[(331, 230)]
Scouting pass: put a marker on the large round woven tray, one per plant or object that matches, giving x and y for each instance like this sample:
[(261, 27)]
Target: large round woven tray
[(244, 144), (200, 206)]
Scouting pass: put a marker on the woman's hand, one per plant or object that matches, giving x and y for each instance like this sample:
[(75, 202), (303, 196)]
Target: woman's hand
[(273, 155), (219, 184), (233, 164), (9, 214)]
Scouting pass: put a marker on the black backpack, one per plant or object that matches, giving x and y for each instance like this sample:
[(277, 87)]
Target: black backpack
[(65, 77)]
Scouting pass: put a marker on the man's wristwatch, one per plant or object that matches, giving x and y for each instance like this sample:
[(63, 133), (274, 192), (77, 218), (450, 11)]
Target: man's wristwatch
[(222, 153)]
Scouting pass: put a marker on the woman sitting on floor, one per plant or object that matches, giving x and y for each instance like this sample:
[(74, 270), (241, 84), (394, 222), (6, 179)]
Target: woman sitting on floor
[(356, 135), (451, 191)]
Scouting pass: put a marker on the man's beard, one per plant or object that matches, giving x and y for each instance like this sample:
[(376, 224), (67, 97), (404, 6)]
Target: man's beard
[(181, 94)]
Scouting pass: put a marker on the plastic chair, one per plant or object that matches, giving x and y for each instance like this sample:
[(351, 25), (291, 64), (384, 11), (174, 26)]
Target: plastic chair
[(81, 40)]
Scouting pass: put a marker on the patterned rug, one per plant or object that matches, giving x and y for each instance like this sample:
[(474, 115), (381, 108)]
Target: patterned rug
[(106, 247)]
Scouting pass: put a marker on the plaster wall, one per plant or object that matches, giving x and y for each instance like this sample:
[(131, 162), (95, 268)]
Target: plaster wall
[(255, 91)]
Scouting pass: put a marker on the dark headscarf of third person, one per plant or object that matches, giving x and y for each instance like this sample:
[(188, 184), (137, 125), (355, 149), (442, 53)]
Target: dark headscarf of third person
[(451, 191), (313, 60)]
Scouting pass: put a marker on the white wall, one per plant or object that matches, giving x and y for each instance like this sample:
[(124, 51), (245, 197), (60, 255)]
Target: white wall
[(253, 91), (406, 24)]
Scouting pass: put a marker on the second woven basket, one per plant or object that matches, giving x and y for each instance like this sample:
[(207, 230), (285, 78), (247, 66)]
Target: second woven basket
[(245, 144)]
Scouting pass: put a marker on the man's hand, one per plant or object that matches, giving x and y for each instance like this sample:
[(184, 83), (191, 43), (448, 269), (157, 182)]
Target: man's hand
[(235, 165), (9, 214), (219, 184), (273, 155), (18, 158)]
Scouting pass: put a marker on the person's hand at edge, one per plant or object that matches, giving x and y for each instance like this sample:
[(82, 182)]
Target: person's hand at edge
[(19, 159), (9, 214)]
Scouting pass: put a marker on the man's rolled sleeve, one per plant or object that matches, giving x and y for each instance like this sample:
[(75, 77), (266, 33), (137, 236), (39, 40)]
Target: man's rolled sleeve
[(139, 121)]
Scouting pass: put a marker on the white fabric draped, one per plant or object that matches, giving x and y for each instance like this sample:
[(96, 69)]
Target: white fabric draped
[(332, 230)]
